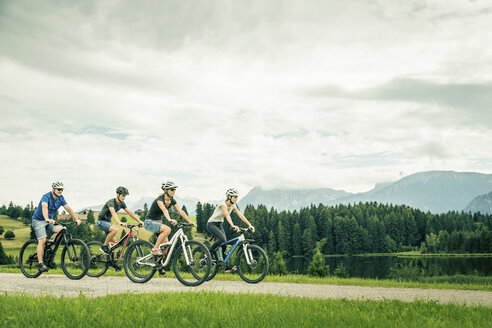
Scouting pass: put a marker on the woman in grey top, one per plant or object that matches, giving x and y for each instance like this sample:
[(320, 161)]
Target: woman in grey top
[(214, 223)]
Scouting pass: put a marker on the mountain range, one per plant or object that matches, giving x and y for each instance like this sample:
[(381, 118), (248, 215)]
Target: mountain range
[(434, 191)]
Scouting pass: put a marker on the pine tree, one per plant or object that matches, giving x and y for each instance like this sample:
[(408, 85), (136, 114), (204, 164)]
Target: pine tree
[(318, 267), (297, 239)]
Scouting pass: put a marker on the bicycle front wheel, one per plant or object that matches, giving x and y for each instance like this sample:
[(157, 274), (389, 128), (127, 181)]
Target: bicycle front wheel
[(197, 270), (257, 268), (99, 261), (28, 259), (139, 262), (75, 259)]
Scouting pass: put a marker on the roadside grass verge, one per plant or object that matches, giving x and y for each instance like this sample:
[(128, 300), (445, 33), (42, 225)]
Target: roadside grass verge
[(208, 309), (451, 282)]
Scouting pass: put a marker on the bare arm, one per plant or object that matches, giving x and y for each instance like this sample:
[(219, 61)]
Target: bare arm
[(115, 216), (130, 212), (72, 214), (243, 218), (228, 217), (183, 214), (166, 212), (46, 217)]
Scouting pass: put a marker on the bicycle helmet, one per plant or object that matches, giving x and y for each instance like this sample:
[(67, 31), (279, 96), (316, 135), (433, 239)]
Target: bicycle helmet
[(57, 185), (232, 192), (169, 184), (122, 191)]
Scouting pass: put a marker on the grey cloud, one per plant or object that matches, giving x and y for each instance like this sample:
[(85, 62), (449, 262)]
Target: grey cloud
[(473, 97), (432, 149)]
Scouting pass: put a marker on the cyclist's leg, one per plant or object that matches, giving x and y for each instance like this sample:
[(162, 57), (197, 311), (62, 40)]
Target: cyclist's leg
[(56, 229), (164, 233), (158, 228), (216, 229), (40, 231), (112, 231)]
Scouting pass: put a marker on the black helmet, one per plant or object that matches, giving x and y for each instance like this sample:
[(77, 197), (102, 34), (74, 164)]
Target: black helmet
[(122, 191)]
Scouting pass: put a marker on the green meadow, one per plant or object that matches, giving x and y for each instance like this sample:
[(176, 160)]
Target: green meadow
[(207, 309)]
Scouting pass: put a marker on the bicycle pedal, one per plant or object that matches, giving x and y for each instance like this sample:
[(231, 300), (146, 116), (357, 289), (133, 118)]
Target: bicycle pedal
[(162, 272)]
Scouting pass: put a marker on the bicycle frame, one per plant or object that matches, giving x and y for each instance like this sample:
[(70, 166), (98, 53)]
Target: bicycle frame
[(118, 244), (62, 234), (178, 236), (238, 241)]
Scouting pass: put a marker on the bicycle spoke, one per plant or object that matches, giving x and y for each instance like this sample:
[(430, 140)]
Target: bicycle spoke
[(196, 270), (28, 259), (252, 265)]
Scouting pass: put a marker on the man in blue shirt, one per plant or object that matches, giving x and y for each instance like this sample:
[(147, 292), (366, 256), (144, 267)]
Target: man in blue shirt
[(42, 218)]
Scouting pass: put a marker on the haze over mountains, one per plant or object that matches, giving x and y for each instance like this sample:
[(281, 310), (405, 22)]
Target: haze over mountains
[(434, 191)]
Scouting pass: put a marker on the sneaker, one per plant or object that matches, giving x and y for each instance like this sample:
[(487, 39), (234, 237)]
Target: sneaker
[(162, 272), (42, 267), (105, 249), (155, 251), (230, 269), (116, 267)]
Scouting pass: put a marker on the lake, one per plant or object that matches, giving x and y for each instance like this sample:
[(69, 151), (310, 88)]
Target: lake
[(380, 266)]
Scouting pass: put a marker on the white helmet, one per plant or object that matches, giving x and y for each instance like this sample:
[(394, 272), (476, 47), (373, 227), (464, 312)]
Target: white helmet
[(57, 185), (232, 192), (169, 184)]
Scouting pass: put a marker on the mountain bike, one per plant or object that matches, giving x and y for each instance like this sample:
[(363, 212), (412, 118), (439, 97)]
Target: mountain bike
[(100, 261), (191, 259), (251, 260), (75, 255)]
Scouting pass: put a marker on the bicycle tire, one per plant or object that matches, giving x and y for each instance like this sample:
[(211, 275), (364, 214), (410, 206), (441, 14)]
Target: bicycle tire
[(255, 272), (75, 268), (215, 266), (136, 250), (99, 263), (200, 268), (29, 262)]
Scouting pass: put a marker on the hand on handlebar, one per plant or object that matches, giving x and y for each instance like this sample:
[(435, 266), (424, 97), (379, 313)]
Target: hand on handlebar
[(235, 227), (173, 222), (123, 224), (251, 228)]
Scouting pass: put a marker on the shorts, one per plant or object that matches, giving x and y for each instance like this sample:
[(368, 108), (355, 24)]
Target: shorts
[(152, 226), (40, 228), (103, 225)]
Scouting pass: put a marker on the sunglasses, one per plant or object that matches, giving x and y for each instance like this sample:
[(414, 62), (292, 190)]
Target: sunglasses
[(173, 189), (59, 189)]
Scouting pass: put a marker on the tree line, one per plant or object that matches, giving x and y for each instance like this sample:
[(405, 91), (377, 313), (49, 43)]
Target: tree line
[(368, 227)]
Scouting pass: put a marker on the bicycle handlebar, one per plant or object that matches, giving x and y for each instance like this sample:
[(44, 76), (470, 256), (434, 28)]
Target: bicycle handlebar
[(183, 224), (131, 226)]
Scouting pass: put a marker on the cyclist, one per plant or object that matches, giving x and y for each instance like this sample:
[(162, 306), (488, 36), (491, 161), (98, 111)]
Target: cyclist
[(42, 218), (160, 206), (223, 210), (109, 211)]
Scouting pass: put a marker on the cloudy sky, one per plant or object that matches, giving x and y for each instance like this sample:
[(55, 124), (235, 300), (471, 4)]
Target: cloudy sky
[(278, 94)]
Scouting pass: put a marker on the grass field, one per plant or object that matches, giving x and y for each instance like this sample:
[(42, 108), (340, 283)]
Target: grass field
[(206, 309)]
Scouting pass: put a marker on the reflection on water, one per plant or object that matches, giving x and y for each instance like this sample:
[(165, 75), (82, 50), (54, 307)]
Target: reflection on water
[(379, 266)]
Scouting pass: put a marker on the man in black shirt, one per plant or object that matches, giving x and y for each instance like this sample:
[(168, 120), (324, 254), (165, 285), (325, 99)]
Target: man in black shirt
[(109, 211)]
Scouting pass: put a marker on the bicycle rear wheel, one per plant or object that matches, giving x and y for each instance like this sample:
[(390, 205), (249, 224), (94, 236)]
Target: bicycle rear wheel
[(99, 261), (197, 271), (139, 262), (215, 265), (257, 269), (28, 259), (75, 259)]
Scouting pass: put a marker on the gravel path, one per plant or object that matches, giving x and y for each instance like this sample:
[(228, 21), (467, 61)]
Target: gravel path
[(58, 285)]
